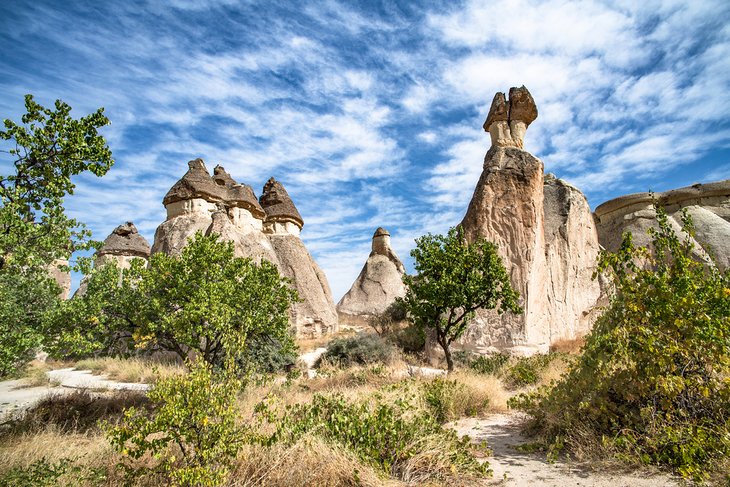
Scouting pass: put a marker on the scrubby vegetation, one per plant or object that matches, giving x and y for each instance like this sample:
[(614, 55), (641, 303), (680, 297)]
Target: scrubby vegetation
[(653, 382), (363, 349)]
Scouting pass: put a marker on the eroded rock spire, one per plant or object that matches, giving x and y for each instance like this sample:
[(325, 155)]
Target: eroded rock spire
[(508, 120)]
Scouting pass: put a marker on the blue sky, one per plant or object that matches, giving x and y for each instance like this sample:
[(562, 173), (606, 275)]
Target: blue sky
[(370, 113)]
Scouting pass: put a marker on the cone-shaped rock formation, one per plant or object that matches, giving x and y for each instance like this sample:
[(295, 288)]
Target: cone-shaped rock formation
[(377, 286), (545, 235), (316, 313)]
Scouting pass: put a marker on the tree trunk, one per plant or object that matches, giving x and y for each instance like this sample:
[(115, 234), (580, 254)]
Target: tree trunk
[(447, 353)]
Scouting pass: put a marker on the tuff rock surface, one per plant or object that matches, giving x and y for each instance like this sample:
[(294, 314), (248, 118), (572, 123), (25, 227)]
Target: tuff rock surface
[(377, 286), (268, 229), (707, 204), (545, 234), (315, 314), (122, 245)]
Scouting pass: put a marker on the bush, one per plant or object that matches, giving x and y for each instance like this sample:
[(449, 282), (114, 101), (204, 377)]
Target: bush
[(385, 435), (653, 378), (489, 364), (358, 350), (267, 355), (525, 371), (191, 431)]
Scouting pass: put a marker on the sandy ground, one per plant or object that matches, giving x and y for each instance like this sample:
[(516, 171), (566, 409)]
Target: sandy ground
[(16, 397), (514, 468)]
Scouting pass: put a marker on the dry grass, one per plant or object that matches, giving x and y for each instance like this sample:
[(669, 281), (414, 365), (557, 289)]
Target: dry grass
[(309, 462), (53, 444), (481, 393), (36, 374), (572, 346), (553, 371), (309, 344), (147, 371)]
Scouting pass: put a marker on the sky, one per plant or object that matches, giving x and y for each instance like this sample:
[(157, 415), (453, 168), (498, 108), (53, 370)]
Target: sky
[(370, 113)]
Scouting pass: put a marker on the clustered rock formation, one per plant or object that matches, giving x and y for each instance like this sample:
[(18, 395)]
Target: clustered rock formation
[(545, 233), (378, 285), (547, 237), (266, 229), (707, 204)]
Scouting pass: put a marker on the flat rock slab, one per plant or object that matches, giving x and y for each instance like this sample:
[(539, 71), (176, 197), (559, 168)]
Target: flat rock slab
[(515, 468)]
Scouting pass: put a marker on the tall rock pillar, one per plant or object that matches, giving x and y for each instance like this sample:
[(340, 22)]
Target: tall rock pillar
[(546, 236)]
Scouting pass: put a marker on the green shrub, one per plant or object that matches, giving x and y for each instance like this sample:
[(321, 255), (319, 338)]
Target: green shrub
[(267, 355), (653, 380), (191, 431), (491, 364), (410, 339), (385, 435), (525, 371), (358, 350), (439, 395)]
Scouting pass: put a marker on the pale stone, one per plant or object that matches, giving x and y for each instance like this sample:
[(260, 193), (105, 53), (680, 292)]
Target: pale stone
[(708, 204), (379, 284), (62, 277)]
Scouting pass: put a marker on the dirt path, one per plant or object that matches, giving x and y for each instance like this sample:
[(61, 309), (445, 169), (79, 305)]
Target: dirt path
[(514, 468), (16, 397)]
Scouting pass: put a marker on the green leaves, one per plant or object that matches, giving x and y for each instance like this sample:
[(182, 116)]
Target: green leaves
[(455, 279), (46, 151), (654, 373)]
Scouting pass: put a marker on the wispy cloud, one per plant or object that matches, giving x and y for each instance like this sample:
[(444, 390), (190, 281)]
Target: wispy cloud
[(371, 115)]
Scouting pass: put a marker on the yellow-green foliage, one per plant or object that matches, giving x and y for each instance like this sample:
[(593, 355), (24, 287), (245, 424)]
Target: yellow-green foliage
[(654, 378), (192, 430)]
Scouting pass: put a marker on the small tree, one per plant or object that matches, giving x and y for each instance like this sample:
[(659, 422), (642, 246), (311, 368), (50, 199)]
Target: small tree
[(455, 279), (46, 150)]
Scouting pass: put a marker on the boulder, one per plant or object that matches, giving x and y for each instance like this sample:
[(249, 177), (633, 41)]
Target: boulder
[(707, 204), (378, 285), (545, 235), (315, 314)]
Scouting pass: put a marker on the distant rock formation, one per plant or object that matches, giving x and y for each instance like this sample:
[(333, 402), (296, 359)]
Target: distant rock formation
[(545, 233), (316, 313), (377, 286), (62, 277), (218, 204), (707, 204), (122, 245)]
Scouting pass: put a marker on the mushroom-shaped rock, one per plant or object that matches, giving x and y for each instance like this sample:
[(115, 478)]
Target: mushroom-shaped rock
[(125, 240), (508, 120), (196, 183), (378, 285), (278, 206), (238, 195)]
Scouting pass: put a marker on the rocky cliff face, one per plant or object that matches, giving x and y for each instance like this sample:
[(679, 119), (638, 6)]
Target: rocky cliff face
[(315, 314), (122, 245), (707, 204), (218, 204), (377, 286), (545, 235)]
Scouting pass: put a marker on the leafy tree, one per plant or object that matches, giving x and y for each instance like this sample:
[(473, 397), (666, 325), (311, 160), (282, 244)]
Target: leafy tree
[(455, 279), (205, 302), (653, 377), (46, 150)]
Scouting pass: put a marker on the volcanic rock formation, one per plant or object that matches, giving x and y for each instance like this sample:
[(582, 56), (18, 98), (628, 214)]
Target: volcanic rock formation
[(545, 233), (315, 314), (377, 286), (218, 204), (122, 245), (707, 204)]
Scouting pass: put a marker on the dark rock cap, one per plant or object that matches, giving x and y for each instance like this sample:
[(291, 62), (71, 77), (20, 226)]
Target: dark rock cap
[(520, 107), (237, 194), (380, 232), (125, 240), (278, 205), (196, 183)]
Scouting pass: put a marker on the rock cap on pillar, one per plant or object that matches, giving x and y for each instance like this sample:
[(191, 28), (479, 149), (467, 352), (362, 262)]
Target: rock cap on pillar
[(278, 205), (196, 183), (508, 120), (126, 240), (238, 194)]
